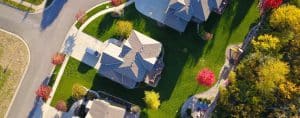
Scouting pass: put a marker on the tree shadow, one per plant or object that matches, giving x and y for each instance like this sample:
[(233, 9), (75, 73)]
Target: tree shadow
[(241, 9), (50, 14), (83, 68)]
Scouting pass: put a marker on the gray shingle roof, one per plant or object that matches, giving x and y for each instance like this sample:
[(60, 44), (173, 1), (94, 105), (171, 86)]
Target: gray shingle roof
[(199, 9), (103, 109), (136, 57)]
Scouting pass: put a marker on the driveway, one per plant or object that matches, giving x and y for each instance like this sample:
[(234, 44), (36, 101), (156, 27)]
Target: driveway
[(43, 39)]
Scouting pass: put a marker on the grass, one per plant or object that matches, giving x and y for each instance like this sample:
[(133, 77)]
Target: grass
[(93, 12), (17, 5), (35, 2), (185, 55), (54, 75), (3, 76)]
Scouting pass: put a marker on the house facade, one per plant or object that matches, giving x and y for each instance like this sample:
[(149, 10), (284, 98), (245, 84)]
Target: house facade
[(178, 13), (135, 60)]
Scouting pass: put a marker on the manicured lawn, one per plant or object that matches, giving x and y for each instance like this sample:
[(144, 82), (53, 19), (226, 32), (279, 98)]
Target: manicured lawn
[(35, 2), (185, 55), (55, 73), (18, 6), (94, 11)]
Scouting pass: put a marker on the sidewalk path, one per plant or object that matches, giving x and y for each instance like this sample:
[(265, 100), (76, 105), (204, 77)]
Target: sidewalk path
[(38, 8)]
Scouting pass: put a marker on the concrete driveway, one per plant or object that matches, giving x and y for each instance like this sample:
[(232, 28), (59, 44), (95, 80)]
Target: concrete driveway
[(44, 33)]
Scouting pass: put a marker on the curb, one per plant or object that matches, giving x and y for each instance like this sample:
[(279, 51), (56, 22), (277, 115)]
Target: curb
[(25, 71)]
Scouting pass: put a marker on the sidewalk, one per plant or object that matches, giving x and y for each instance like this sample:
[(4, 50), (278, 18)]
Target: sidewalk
[(37, 8)]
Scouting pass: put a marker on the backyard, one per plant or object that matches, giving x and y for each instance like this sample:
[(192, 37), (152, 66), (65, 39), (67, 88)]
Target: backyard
[(185, 55)]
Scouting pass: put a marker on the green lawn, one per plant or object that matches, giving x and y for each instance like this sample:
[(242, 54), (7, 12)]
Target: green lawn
[(94, 11), (55, 73), (17, 5), (185, 55), (35, 2)]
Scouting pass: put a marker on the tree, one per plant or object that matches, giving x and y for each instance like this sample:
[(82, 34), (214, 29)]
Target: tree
[(78, 91), (152, 99), (266, 43), (270, 74), (117, 2), (123, 29), (288, 89), (58, 58), (232, 77), (61, 106), (205, 77), (286, 17), (43, 92), (81, 16), (270, 4)]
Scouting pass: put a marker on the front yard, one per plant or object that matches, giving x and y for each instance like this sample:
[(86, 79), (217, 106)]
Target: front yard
[(185, 55)]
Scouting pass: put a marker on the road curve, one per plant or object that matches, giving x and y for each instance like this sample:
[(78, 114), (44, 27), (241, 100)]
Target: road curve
[(44, 33)]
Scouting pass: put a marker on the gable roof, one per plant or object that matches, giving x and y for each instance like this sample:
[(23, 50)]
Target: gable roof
[(180, 12), (103, 109), (131, 61)]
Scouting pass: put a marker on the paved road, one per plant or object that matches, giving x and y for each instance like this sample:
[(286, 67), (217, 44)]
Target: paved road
[(44, 33)]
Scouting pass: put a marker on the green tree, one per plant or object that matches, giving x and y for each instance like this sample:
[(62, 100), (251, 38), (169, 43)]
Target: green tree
[(123, 29), (78, 91), (152, 99)]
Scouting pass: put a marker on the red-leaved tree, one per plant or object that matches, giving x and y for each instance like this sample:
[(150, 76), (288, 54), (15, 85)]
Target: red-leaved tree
[(116, 2), (205, 77), (61, 106), (58, 58), (270, 4), (43, 92)]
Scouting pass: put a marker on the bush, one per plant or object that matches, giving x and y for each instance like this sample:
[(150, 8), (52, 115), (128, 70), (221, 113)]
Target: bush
[(152, 99), (117, 2), (135, 109), (123, 29), (43, 92), (205, 77), (78, 92), (58, 58), (266, 43), (61, 106)]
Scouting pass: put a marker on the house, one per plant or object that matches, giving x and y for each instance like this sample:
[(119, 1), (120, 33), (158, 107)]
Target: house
[(135, 60), (178, 13), (102, 109)]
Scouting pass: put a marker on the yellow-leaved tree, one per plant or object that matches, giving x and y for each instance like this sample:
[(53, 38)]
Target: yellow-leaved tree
[(266, 42), (152, 99), (286, 17), (271, 74)]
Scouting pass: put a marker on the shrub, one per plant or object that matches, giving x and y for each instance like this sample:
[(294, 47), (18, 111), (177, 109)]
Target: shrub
[(117, 2), (135, 109), (123, 29), (58, 58), (78, 91), (61, 106), (205, 77), (43, 92), (266, 43), (271, 4), (152, 99)]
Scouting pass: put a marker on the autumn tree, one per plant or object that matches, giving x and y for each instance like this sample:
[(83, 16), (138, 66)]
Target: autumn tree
[(43, 92), (117, 2), (205, 77), (61, 106), (78, 91), (123, 29), (270, 74), (266, 43), (270, 4), (152, 99), (58, 58), (288, 89), (286, 17)]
